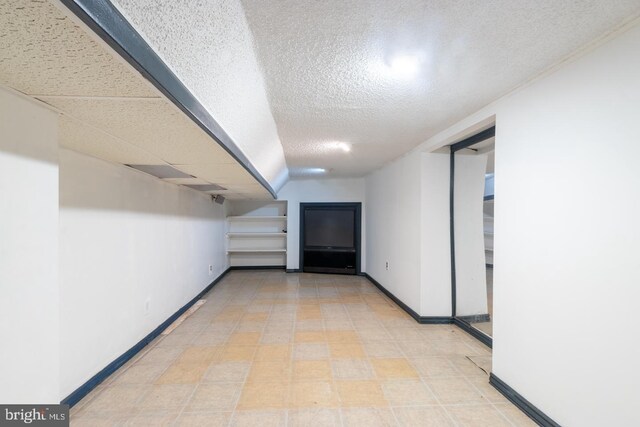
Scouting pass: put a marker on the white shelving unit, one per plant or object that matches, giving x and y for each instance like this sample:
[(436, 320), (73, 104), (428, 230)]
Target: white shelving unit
[(256, 233)]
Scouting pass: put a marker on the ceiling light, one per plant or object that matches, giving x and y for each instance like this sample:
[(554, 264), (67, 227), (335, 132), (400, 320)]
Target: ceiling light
[(314, 171), (404, 65), (343, 146)]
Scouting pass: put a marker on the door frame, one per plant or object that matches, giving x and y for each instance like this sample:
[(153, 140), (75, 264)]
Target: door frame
[(357, 206), (465, 143)]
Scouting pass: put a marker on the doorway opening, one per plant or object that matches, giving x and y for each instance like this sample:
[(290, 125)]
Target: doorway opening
[(472, 199)]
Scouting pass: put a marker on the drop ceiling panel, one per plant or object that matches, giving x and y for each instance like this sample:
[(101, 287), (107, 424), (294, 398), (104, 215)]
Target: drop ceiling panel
[(206, 187), (152, 125), (223, 174), (93, 142), (186, 181), (161, 171), (43, 52)]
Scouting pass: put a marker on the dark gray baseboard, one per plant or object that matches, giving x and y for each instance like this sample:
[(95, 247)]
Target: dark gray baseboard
[(426, 320), (476, 318), (94, 381), (523, 404), (480, 336)]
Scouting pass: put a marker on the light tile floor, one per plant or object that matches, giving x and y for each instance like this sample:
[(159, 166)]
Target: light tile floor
[(276, 349)]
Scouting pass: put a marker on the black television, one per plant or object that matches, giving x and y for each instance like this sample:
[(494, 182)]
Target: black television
[(326, 228)]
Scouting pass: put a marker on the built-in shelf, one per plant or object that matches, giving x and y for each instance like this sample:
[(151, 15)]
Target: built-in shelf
[(257, 218), (256, 234), (256, 251)]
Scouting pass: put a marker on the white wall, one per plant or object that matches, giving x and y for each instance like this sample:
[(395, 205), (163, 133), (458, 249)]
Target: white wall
[(126, 239), (471, 278), (393, 228), (29, 327), (408, 226), (319, 190), (435, 250), (566, 236), (566, 239)]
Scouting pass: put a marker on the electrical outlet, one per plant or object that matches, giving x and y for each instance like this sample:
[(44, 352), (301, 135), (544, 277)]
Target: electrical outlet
[(210, 269), (386, 265)]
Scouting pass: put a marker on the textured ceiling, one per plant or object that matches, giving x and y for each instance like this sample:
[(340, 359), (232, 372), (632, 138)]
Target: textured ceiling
[(302, 73), (328, 74), (108, 110)]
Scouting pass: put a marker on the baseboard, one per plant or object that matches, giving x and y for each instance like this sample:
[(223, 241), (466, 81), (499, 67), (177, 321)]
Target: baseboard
[(434, 320), (294, 270), (523, 404), (258, 267), (94, 381), (480, 336), (476, 318)]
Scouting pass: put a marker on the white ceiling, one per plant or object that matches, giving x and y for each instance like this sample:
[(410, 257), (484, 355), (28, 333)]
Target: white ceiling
[(108, 110), (326, 66)]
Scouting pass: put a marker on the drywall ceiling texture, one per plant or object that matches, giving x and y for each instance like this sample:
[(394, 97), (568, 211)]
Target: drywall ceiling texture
[(328, 66), (108, 110), (209, 46)]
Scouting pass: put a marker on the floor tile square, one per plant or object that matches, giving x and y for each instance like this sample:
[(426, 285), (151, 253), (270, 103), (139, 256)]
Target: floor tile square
[(229, 371), (183, 373), (270, 371), (393, 368), (352, 369), (312, 394), (368, 417), (407, 393), (311, 370), (363, 393), (244, 338), (342, 336), (320, 417), (342, 350), (430, 416), (214, 397), (310, 336), (310, 351), (166, 396), (199, 419), (271, 418), (477, 416), (264, 395), (237, 352), (273, 352)]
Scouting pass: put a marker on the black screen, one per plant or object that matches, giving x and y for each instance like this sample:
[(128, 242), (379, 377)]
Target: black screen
[(324, 227)]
